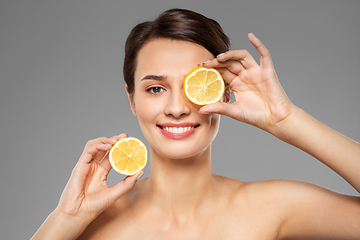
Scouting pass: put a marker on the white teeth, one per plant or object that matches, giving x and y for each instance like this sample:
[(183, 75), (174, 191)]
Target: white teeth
[(177, 130)]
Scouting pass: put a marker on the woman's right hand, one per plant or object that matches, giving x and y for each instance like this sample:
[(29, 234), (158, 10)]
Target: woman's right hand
[(259, 98), (86, 194)]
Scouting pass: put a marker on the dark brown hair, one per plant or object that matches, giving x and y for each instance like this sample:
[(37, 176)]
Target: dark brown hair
[(177, 24)]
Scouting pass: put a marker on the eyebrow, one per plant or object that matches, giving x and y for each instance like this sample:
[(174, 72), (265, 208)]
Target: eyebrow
[(154, 77)]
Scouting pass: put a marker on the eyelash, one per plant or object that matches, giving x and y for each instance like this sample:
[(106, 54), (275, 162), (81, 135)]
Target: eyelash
[(151, 90)]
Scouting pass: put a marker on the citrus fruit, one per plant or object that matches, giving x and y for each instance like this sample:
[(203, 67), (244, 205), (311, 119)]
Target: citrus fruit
[(128, 156), (204, 86)]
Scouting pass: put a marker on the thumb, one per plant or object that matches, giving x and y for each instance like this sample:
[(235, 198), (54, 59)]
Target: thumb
[(223, 108), (123, 186)]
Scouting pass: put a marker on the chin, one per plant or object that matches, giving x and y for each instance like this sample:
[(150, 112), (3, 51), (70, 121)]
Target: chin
[(179, 152)]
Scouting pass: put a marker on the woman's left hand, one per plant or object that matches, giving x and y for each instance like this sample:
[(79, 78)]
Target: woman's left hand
[(259, 97)]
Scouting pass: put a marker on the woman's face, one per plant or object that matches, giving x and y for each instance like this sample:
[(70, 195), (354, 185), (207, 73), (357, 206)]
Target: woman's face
[(170, 122)]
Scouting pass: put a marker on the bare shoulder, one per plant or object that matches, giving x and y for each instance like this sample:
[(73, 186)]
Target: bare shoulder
[(265, 191), (255, 205), (266, 200), (299, 208), (288, 189), (290, 194), (294, 192)]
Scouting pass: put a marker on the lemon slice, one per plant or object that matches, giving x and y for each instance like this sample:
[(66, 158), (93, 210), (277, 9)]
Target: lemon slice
[(204, 86), (128, 156)]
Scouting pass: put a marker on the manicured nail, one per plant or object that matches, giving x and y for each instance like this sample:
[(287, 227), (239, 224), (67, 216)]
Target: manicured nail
[(221, 54), (207, 61), (140, 176)]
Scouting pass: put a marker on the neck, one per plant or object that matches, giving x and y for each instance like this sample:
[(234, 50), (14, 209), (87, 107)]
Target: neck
[(181, 185)]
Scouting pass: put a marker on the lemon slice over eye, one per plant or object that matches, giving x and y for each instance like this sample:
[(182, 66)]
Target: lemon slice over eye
[(128, 156), (204, 86)]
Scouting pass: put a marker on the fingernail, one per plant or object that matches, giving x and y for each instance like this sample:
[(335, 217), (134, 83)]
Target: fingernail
[(140, 176), (221, 54), (207, 61)]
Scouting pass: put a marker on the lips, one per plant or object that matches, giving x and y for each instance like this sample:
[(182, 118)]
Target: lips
[(178, 130)]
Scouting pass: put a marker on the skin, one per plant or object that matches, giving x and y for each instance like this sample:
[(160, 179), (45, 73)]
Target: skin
[(182, 198)]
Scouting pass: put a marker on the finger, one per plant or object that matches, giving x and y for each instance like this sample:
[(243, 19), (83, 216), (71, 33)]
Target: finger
[(227, 75), (233, 66), (243, 56), (102, 154), (123, 186), (105, 163), (120, 136), (95, 141), (90, 153), (265, 58), (220, 108), (92, 142)]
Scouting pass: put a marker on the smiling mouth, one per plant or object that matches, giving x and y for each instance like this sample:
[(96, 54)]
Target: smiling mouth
[(178, 129)]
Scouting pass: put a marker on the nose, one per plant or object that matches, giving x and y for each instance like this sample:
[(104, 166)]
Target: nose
[(177, 104)]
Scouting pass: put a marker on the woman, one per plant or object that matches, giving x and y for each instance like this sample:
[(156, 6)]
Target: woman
[(182, 198)]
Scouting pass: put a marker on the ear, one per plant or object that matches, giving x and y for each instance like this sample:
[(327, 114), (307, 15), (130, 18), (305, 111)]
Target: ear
[(131, 100)]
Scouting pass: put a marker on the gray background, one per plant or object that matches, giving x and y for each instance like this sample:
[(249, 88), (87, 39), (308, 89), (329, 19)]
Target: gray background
[(61, 85)]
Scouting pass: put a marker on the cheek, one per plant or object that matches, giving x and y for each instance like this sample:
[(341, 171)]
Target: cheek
[(215, 123), (147, 110)]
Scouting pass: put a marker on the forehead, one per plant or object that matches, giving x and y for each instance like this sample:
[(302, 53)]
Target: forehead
[(167, 56)]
